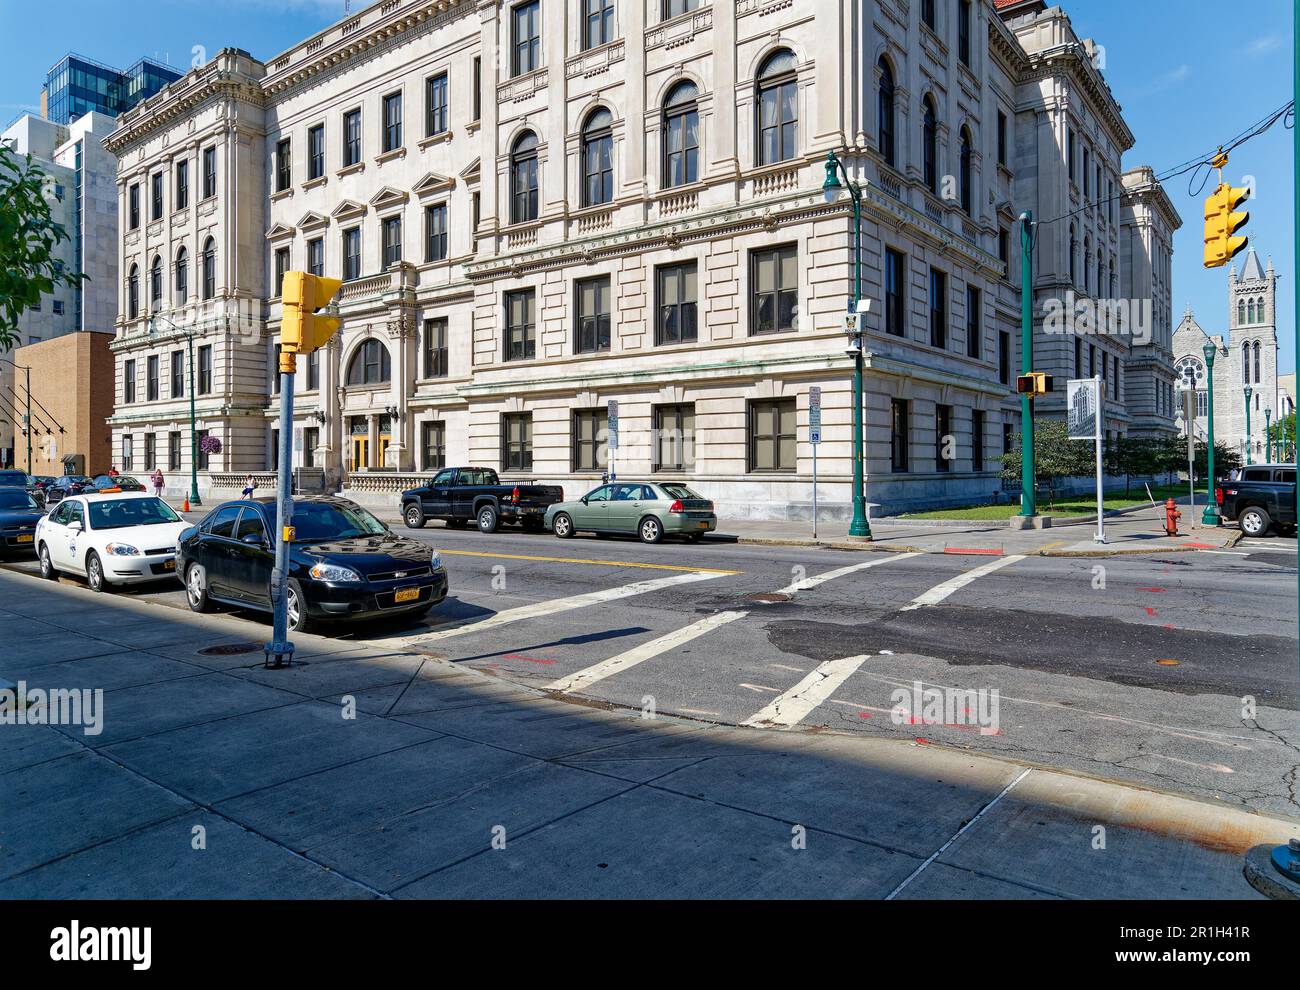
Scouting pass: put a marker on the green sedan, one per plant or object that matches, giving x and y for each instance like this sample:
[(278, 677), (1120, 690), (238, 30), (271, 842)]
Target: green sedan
[(650, 510)]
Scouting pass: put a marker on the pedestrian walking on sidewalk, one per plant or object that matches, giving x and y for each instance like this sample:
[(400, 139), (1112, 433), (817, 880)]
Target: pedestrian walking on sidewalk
[(250, 486), (158, 482)]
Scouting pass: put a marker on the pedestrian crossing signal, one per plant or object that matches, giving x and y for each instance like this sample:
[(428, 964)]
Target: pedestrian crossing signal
[(1034, 384)]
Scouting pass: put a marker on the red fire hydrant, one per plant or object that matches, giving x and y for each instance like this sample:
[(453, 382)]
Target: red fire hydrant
[(1172, 515)]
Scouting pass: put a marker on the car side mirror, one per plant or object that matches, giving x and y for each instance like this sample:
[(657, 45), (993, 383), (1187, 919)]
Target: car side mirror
[(254, 540), (75, 526), (584, 500)]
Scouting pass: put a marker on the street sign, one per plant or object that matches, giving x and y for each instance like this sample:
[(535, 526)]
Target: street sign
[(1082, 409), (815, 414), (612, 428)]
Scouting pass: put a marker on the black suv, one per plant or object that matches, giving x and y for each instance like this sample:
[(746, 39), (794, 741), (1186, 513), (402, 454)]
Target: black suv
[(1259, 497)]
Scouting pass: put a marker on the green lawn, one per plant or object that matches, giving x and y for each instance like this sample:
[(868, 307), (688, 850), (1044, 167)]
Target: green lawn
[(1074, 505)]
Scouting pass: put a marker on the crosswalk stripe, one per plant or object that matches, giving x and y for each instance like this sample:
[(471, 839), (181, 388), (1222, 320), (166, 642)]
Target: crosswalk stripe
[(555, 606), (940, 592), (640, 654), (793, 707), (813, 582)]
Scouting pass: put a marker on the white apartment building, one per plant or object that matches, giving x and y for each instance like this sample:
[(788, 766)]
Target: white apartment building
[(82, 193), (542, 206)]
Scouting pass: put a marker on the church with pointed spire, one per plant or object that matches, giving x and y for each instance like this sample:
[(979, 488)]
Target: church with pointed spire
[(1246, 390)]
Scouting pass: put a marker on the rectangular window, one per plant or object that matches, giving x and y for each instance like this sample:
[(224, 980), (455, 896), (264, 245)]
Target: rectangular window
[(283, 166), (351, 138), (517, 442), (150, 453), (598, 23), (178, 374), (774, 292), (526, 38), (963, 31), (435, 348), (433, 446), (521, 327), (310, 441), (1086, 185), (281, 267), (313, 371), (590, 436), (392, 122), (183, 184), (938, 308), (974, 333), (477, 100), (899, 436), (435, 232), (128, 382), (942, 431), (773, 435), (204, 457), (1008, 438), (351, 254), (209, 172), (151, 379), (675, 316), (392, 241), (156, 197), (895, 282), (1004, 252), (128, 451), (1002, 138), (674, 438), (1078, 357), (1004, 357), (977, 440), (174, 451), (1069, 154), (205, 370), (675, 8), (316, 256), (927, 14), (591, 303), (133, 207), (435, 98), (475, 204), (316, 152)]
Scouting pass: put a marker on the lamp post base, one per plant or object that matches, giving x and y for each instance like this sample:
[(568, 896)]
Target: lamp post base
[(1211, 516)]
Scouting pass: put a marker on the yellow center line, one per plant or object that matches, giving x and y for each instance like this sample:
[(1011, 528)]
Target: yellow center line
[(579, 560), (1052, 546)]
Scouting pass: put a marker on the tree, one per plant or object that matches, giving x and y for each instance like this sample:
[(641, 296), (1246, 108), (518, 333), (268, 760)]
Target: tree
[(1056, 457), (1282, 434), (28, 237), (1133, 455)]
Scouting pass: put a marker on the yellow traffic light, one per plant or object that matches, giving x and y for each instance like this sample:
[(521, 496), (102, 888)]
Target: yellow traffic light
[(303, 328), (1221, 223)]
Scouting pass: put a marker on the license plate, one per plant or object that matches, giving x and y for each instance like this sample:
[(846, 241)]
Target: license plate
[(406, 595), (704, 525), (26, 538), (169, 565)]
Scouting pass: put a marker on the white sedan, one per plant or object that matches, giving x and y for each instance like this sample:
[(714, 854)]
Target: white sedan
[(123, 538)]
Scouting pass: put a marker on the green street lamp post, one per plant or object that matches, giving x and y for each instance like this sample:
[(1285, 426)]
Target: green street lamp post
[(194, 433), (1028, 477), (831, 187), (1211, 515), (1250, 459), (1268, 433)]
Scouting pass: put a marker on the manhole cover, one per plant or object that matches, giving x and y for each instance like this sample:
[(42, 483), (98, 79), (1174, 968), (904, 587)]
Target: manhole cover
[(771, 597), (231, 649)]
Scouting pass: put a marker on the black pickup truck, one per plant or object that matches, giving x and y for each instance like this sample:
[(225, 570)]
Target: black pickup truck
[(459, 496), (1259, 497)]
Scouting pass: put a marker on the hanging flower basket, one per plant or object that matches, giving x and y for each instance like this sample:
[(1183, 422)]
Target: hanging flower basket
[(210, 445)]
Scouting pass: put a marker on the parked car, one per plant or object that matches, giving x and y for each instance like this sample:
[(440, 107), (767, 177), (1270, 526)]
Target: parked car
[(19, 514), (1259, 497), (459, 496), (62, 487), (13, 479), (112, 483), (344, 563), (36, 486), (117, 539), (651, 510)]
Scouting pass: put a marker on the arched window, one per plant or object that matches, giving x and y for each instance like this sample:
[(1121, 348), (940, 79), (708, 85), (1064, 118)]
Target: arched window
[(967, 192), (155, 283), (182, 279), (598, 159), (681, 136), (1245, 363), (1259, 311), (930, 146), (1258, 377), (885, 114), (523, 178), (1241, 311), (210, 269), (778, 109), (370, 365), (1074, 254), (133, 293)]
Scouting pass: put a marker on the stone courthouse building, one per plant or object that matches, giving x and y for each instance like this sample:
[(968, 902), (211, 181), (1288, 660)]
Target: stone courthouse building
[(542, 206)]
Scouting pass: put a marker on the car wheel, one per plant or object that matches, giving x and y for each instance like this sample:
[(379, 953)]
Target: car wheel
[(651, 530), (296, 609), (487, 519), (1255, 522), (95, 573), (562, 526), (414, 517), (196, 589), (47, 564)]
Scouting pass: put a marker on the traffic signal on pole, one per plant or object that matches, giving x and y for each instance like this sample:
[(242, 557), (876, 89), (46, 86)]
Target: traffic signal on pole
[(1034, 384), (1221, 223), (303, 327)]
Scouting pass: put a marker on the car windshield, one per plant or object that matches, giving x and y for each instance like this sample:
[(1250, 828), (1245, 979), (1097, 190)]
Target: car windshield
[(681, 491), (320, 522), (16, 499), (120, 513)]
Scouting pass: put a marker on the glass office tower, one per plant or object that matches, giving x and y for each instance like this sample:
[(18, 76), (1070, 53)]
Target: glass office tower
[(77, 85)]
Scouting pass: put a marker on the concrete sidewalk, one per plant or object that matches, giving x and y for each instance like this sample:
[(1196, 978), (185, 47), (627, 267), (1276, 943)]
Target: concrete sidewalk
[(214, 778)]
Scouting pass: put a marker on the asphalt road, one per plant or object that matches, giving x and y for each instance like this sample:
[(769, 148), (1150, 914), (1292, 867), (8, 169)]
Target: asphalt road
[(1175, 671)]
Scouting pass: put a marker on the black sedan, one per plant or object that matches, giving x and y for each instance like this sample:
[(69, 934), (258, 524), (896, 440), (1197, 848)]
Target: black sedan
[(112, 483), (19, 514), (343, 564), (62, 487)]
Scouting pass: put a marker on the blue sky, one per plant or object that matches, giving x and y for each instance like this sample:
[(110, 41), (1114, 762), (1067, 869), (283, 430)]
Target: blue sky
[(1165, 61)]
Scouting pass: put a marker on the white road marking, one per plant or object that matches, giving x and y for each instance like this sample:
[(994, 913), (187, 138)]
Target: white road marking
[(760, 688), (813, 582), (793, 707), (640, 654), (1289, 547), (941, 592), (554, 607), (1225, 553)]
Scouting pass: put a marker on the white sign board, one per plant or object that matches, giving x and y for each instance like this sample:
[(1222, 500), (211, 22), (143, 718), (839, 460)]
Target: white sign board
[(612, 427), (815, 414), (1083, 408)]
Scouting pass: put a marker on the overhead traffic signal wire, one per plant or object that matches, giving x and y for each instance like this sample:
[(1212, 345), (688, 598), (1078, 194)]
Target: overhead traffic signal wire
[(53, 418)]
